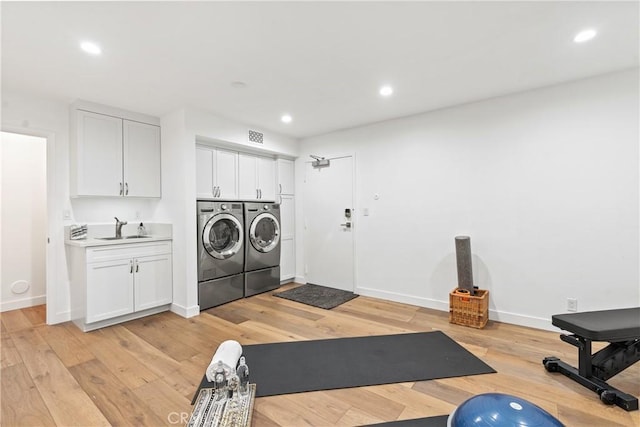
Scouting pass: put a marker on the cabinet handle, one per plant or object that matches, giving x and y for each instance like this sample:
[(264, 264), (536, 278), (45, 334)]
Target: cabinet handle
[(257, 193), (219, 191), (121, 189), (130, 267), (280, 185), (126, 188), (137, 266)]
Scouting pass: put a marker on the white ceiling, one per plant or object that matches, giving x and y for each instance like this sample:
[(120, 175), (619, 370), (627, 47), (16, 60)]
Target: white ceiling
[(322, 62)]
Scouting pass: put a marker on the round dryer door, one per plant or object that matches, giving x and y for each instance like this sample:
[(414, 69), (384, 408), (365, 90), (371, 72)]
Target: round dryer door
[(222, 236), (264, 232)]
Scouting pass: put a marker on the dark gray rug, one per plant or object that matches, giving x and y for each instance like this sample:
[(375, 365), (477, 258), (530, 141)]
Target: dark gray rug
[(317, 296), (301, 366)]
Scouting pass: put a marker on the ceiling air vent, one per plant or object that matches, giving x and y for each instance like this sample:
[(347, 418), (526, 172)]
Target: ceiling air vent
[(257, 137)]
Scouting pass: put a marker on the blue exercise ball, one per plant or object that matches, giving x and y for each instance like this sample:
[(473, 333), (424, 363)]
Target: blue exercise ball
[(500, 410)]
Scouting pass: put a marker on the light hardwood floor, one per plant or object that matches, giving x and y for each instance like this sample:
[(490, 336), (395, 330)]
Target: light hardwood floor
[(144, 372)]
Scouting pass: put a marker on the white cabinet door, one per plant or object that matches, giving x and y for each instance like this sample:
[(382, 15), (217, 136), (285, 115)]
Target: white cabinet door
[(248, 177), (287, 259), (267, 178), (204, 172), (287, 243), (216, 173), (97, 155), (141, 147), (225, 171), (287, 216), (285, 176), (109, 289), (257, 179), (153, 283)]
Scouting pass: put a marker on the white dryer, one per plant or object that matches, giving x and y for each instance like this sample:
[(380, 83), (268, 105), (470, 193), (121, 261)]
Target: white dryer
[(262, 247), (220, 252)]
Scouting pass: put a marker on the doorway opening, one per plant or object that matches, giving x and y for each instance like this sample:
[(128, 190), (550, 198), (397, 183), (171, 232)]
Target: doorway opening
[(23, 220)]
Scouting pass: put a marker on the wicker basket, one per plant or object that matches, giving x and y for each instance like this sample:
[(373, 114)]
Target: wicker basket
[(468, 310)]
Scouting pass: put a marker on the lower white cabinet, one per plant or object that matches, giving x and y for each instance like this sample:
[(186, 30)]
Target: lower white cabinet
[(109, 290), (287, 260), (112, 284)]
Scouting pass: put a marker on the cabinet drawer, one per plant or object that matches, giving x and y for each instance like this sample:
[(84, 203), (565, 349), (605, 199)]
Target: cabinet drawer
[(109, 253)]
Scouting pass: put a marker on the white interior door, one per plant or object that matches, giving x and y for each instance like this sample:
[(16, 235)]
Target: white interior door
[(328, 240)]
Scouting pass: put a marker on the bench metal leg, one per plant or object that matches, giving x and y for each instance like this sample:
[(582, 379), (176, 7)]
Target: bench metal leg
[(608, 394)]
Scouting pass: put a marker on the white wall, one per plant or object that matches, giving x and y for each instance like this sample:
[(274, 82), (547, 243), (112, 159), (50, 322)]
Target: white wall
[(180, 130), (24, 220), (545, 182)]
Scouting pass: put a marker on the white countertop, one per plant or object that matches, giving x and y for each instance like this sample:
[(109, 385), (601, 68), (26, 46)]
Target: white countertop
[(93, 241), (156, 232)]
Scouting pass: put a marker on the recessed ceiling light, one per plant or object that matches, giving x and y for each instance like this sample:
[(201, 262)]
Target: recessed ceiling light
[(386, 90), (238, 85), (584, 36), (91, 48), (286, 118)]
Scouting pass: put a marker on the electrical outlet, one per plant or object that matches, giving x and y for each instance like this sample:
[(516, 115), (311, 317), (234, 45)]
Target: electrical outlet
[(572, 304)]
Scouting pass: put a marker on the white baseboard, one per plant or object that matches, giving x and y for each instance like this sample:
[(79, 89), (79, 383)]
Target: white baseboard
[(499, 316), (185, 312), (404, 298), (300, 279), (23, 303)]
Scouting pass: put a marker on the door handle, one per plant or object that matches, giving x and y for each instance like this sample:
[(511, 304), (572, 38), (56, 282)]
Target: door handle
[(346, 224)]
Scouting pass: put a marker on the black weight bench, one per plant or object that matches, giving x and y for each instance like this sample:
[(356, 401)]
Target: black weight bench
[(621, 328)]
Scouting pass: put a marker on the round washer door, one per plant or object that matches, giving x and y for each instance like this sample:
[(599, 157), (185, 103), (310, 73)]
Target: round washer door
[(264, 232), (222, 236)]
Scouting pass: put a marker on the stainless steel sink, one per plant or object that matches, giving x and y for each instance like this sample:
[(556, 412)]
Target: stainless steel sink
[(123, 238)]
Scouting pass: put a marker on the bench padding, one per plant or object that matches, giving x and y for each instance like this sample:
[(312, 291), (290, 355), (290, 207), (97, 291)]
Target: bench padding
[(607, 325)]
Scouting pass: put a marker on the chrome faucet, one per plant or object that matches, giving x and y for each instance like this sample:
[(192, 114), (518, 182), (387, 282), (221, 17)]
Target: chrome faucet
[(119, 225)]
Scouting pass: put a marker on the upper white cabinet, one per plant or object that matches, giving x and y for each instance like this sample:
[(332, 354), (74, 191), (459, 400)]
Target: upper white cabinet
[(257, 179), (113, 152), (216, 173), (285, 176), (141, 148)]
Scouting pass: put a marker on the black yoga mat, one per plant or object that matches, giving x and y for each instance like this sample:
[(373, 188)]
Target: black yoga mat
[(438, 421), (300, 366)]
